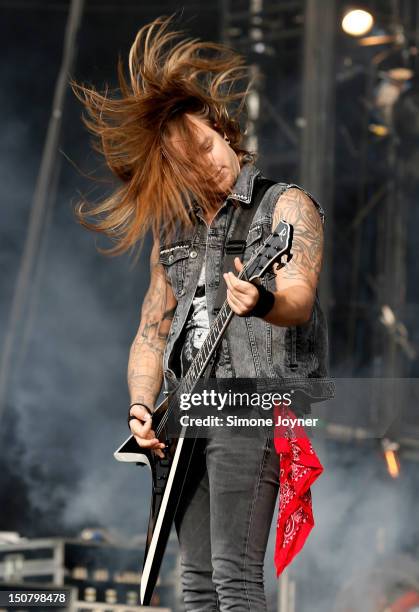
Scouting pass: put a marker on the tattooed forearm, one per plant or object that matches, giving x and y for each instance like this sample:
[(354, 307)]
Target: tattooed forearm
[(145, 363), (295, 207)]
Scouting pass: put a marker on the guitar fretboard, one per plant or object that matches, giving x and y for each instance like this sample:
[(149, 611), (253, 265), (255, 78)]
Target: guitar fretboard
[(207, 349)]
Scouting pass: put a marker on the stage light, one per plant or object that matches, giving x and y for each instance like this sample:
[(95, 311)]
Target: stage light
[(259, 47), (379, 130), (390, 449), (357, 22), (388, 318)]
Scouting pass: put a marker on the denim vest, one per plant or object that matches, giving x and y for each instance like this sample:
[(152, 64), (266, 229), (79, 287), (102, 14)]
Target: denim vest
[(251, 348)]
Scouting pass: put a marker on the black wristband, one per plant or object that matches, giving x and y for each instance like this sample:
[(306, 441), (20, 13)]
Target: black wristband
[(264, 304), (131, 416), (141, 404)]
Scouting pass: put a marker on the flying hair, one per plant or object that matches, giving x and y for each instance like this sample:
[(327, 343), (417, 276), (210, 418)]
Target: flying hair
[(170, 77)]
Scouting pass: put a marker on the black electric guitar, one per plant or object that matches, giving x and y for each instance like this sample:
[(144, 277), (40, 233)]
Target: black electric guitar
[(169, 474)]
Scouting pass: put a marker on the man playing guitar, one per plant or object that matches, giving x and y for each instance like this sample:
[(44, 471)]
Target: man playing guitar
[(177, 150)]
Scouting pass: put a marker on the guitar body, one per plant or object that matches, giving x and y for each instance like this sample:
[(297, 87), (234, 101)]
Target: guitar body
[(168, 478)]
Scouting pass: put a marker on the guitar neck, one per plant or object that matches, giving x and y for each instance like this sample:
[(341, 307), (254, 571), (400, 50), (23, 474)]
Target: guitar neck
[(207, 350)]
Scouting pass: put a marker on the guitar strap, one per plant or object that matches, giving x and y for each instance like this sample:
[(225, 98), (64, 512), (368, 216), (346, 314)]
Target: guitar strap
[(235, 246)]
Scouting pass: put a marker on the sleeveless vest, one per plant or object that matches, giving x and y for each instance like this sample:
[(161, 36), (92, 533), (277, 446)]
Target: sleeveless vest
[(295, 356)]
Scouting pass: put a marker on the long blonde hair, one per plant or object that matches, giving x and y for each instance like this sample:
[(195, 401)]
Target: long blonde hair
[(168, 78)]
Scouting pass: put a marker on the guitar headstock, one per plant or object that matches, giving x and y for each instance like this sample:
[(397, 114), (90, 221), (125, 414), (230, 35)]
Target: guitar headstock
[(277, 245)]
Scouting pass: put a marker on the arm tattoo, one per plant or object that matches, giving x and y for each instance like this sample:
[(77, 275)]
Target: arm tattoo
[(295, 207), (146, 353)]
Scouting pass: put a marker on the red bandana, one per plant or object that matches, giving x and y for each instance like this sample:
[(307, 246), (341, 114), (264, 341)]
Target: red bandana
[(299, 468)]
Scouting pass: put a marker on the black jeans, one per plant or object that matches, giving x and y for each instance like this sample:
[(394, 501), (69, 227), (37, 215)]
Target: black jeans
[(224, 519)]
